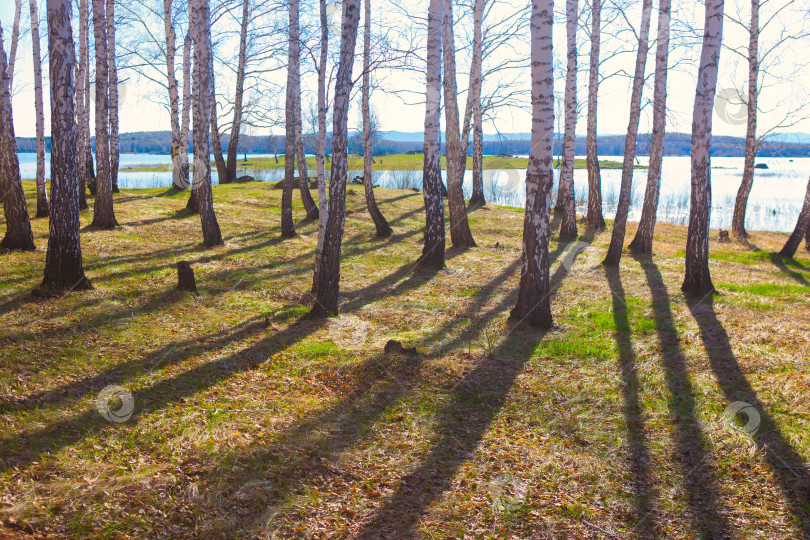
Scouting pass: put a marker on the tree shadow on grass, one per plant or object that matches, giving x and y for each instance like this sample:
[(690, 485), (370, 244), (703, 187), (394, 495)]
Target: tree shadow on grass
[(693, 447), (782, 263), (644, 493), (786, 461)]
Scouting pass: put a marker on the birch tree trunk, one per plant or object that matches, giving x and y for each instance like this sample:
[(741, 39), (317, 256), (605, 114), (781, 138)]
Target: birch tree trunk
[(115, 145), (287, 226), (568, 225), (39, 108), (477, 199), (185, 119), (203, 107), (174, 95), (533, 305), (460, 234), (380, 223), (595, 220), (63, 262), (15, 38), (698, 281), (433, 250), (18, 235), (741, 204), (82, 109), (326, 300), (103, 212), (642, 243), (807, 240), (321, 151), (802, 228), (614, 254), (233, 144), (303, 175), (193, 204)]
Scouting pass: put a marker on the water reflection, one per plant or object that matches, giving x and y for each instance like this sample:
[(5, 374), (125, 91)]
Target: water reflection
[(774, 203)]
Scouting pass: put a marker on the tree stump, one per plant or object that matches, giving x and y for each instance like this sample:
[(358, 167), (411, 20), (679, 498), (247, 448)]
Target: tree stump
[(724, 237), (185, 277)]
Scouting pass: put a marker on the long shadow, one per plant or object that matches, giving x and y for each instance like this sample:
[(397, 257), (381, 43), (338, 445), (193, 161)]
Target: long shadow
[(644, 493), (786, 461), (474, 403), (693, 448), (781, 263)]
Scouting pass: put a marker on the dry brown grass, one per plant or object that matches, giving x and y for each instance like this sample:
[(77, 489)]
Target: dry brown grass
[(610, 424)]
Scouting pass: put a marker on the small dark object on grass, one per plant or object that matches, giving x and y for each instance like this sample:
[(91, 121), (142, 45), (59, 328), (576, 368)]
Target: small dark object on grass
[(415, 190), (724, 237), (185, 277), (395, 347), (357, 181), (245, 179)]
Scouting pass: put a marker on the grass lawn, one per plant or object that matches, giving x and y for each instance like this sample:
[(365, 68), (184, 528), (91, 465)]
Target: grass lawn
[(392, 162), (251, 421)]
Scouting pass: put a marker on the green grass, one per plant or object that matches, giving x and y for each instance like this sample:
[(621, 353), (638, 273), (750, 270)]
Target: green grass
[(252, 420)]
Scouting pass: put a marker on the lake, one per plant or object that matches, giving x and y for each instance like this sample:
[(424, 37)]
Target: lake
[(774, 204)]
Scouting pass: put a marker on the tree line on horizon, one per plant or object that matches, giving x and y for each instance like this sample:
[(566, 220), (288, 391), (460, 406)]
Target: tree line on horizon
[(72, 168), (675, 144)]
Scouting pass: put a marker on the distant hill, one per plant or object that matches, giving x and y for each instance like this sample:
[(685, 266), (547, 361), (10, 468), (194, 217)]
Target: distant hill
[(394, 142)]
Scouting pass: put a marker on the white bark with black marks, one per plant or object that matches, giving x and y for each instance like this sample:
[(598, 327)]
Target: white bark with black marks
[(642, 243), (565, 197), (326, 299), (383, 230), (533, 305), (39, 109), (63, 262), (802, 228), (751, 144), (698, 281), (174, 94), (82, 103), (433, 250), (203, 99), (595, 219), (15, 38), (287, 225), (103, 212), (614, 254), (460, 234), (320, 153), (115, 145), (18, 235), (236, 126), (477, 198)]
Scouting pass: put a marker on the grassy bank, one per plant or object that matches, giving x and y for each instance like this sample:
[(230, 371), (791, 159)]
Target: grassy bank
[(251, 420), (392, 162)]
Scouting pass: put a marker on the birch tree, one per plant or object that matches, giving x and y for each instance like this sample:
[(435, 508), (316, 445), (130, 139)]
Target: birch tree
[(460, 234), (383, 230), (115, 145), (614, 253), (320, 153), (178, 152), (565, 197), (63, 263), (326, 299), (103, 212), (533, 305), (83, 105), (698, 281), (203, 99), (477, 198), (39, 109), (287, 226), (15, 38), (642, 243), (236, 125), (802, 228), (433, 250), (18, 235), (303, 176), (595, 220)]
